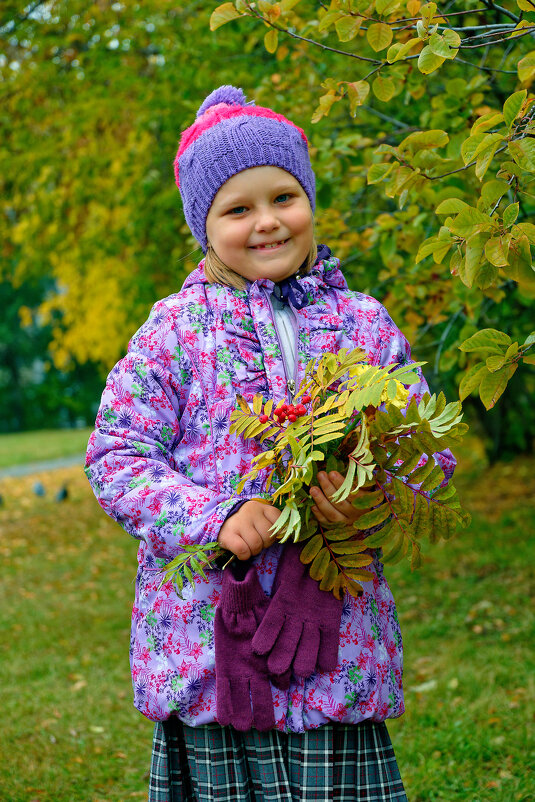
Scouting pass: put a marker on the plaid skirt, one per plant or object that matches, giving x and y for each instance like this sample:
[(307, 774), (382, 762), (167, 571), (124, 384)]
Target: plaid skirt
[(335, 763)]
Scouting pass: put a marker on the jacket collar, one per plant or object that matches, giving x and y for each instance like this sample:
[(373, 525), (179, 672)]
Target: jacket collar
[(298, 290)]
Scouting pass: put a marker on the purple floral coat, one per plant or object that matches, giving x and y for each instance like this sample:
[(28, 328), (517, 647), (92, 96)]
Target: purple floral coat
[(163, 463)]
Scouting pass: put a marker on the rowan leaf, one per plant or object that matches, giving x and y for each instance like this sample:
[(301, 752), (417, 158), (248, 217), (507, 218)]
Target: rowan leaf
[(319, 564), (355, 560), (329, 577), (373, 517), (435, 478), (311, 549), (367, 499), (352, 546)]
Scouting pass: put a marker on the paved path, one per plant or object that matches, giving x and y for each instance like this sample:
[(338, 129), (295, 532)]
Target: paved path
[(45, 465)]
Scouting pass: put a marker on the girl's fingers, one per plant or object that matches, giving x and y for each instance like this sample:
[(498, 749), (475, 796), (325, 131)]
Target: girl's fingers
[(342, 510), (329, 510)]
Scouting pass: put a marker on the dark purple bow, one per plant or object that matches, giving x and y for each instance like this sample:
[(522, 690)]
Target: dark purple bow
[(291, 292)]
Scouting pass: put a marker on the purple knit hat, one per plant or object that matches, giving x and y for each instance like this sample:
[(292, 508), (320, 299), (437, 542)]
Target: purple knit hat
[(228, 136)]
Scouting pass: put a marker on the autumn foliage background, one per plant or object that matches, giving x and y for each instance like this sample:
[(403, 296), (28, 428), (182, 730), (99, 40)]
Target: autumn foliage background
[(94, 96)]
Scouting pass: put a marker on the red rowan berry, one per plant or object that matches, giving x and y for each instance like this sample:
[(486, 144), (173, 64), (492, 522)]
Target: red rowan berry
[(263, 418), (292, 417), (300, 410), (306, 399), (282, 417)]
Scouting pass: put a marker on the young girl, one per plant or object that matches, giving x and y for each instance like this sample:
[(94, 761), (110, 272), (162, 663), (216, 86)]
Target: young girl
[(262, 686)]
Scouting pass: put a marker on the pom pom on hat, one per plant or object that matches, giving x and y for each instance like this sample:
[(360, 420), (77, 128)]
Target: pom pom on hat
[(228, 136), (225, 94)]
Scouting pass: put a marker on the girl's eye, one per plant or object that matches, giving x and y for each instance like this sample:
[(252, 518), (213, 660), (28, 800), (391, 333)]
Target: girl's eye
[(283, 198), (237, 210)]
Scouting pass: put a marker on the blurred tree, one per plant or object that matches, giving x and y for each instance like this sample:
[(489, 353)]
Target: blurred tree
[(95, 95)]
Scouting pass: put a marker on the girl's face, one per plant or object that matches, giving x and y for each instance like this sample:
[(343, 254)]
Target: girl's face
[(260, 224)]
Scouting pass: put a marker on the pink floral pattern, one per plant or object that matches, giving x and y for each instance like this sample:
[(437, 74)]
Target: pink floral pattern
[(164, 465)]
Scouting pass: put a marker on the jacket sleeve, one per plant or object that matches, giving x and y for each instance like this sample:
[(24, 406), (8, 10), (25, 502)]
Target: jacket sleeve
[(392, 346), (129, 461)]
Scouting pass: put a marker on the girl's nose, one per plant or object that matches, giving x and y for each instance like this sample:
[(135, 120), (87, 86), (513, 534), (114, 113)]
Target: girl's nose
[(266, 221)]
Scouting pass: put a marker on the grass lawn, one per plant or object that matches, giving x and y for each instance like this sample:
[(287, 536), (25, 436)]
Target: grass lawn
[(69, 730), (21, 448)]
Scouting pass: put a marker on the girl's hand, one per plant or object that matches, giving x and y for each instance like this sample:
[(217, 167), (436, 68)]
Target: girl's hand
[(326, 511), (248, 531)]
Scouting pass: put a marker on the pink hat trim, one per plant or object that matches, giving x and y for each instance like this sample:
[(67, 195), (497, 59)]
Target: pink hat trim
[(220, 112)]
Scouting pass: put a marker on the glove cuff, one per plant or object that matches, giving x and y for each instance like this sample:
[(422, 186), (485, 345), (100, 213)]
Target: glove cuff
[(240, 596)]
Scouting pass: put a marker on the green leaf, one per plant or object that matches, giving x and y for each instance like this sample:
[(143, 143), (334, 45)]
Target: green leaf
[(528, 229), (223, 14), (435, 478), (347, 27), (424, 140), (513, 105), (421, 473), (329, 19), (471, 380), (487, 339), (378, 172), (471, 220), (394, 550), (444, 46), (496, 250), (510, 214), (495, 362), (451, 206), (493, 385), (428, 61), (523, 152)]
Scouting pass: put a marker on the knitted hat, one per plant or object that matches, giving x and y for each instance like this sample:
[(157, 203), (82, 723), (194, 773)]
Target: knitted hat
[(228, 136)]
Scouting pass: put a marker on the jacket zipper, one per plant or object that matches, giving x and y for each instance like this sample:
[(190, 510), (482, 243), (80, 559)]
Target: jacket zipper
[(290, 382)]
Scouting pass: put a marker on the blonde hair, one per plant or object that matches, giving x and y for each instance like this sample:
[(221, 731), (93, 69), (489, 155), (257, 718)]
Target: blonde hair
[(217, 272)]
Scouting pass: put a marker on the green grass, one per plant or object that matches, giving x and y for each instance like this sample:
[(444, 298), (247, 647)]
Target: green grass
[(69, 727), (21, 448)]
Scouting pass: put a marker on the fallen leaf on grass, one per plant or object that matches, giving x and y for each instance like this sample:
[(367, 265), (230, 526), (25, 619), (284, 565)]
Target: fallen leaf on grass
[(430, 685), (94, 728)]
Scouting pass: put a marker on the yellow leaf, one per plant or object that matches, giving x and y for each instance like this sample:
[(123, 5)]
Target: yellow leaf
[(347, 27), (257, 404), (526, 67), (329, 577), (311, 549), (320, 563), (379, 36), (383, 88), (223, 14), (271, 40)]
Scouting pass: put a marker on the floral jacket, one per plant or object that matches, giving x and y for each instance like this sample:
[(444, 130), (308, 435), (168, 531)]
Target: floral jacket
[(163, 463)]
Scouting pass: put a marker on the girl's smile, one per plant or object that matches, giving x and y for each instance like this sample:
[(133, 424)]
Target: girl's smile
[(260, 224)]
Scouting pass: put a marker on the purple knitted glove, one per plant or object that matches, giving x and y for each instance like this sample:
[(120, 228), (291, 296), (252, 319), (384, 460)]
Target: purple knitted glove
[(243, 690), (301, 628)]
